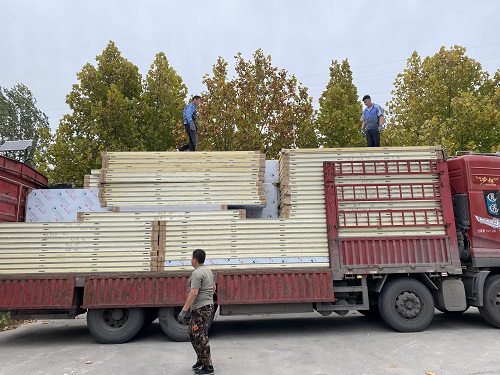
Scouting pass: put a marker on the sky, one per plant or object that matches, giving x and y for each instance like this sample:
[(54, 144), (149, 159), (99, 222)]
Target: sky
[(44, 44)]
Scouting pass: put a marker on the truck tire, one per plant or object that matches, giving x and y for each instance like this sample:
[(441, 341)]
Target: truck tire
[(406, 305), (172, 328), (115, 326), (490, 311), (169, 324)]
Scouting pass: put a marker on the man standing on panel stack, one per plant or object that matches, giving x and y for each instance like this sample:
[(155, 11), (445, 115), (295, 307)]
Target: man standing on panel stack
[(190, 124), (373, 121)]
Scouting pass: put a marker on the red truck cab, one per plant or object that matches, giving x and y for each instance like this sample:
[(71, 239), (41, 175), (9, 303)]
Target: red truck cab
[(475, 186)]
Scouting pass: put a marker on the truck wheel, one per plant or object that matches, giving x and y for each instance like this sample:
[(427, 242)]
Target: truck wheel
[(406, 305), (169, 324), (490, 311), (172, 328), (115, 326)]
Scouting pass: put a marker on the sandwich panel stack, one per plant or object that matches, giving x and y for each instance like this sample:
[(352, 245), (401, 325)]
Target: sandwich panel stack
[(302, 189), (250, 243), (301, 173), (92, 180), (78, 247), (299, 238), (170, 178), (140, 216)]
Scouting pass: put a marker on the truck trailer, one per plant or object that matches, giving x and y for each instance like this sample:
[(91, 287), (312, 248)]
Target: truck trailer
[(390, 232)]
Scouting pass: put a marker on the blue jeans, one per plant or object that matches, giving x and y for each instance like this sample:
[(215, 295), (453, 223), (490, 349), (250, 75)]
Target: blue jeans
[(193, 137), (373, 138)]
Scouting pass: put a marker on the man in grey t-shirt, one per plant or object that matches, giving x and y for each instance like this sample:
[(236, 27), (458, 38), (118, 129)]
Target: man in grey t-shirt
[(200, 301)]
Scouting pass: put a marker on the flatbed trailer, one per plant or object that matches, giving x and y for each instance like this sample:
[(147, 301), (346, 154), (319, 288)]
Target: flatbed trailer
[(404, 237)]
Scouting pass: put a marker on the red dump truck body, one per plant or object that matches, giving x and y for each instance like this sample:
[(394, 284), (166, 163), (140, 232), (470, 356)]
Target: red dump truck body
[(399, 261), (16, 181)]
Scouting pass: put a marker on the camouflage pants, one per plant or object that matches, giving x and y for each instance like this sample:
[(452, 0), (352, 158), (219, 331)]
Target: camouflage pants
[(198, 333)]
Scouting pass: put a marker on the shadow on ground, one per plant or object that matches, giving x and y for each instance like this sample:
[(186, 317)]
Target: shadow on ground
[(76, 332)]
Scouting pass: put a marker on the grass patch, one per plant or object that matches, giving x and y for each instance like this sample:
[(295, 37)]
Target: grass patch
[(5, 321)]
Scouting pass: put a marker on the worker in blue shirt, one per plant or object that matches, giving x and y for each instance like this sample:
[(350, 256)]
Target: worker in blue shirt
[(373, 121), (190, 124)]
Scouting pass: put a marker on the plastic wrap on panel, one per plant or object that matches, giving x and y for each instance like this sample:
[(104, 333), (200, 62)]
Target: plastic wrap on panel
[(61, 205), (272, 174)]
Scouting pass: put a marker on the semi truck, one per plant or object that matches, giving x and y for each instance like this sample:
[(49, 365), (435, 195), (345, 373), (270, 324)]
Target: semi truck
[(406, 231)]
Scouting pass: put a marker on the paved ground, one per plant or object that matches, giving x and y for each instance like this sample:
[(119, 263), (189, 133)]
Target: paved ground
[(307, 344)]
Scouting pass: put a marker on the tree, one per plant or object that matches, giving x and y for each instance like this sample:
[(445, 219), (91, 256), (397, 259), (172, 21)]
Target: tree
[(21, 119), (261, 108), (340, 110), (475, 121), (104, 117), (162, 104), (113, 109), (434, 99)]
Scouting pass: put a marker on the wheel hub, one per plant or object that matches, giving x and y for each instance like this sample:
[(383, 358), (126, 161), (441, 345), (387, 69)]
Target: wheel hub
[(115, 318), (117, 314), (408, 305)]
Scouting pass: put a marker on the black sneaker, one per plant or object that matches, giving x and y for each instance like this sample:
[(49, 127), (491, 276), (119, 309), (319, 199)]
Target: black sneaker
[(205, 371), (197, 365)]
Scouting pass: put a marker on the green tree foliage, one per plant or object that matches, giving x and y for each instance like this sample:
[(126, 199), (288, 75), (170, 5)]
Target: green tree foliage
[(162, 104), (113, 109), (261, 108), (5, 321), (445, 99), (21, 119), (340, 110)]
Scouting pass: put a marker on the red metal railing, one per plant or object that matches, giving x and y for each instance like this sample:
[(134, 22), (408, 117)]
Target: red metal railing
[(387, 191), (386, 167), (361, 205), (392, 218)]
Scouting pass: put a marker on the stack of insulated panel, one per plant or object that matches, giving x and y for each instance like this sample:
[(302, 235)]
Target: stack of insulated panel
[(302, 182), (390, 214), (248, 243), (170, 178), (140, 216), (79, 247), (299, 239), (182, 217), (394, 198), (92, 180)]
